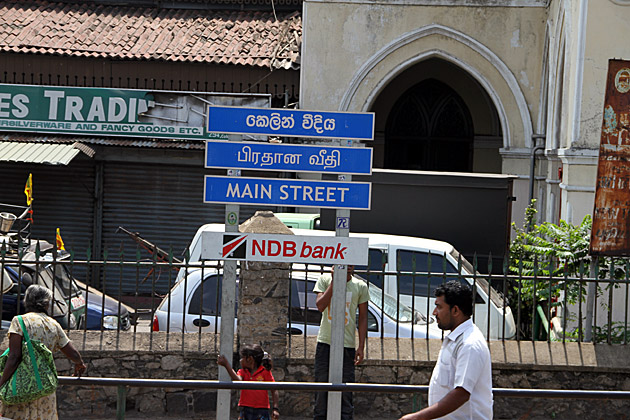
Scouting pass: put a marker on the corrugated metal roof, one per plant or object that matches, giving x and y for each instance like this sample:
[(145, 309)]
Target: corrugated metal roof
[(104, 141), (51, 154)]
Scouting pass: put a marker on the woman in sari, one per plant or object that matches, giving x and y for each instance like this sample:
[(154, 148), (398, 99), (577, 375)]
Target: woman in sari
[(40, 326)]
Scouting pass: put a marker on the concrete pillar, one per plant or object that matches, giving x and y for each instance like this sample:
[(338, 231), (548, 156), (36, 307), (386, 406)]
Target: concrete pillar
[(263, 296)]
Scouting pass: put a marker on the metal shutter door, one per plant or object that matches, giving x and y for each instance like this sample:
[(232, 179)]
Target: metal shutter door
[(164, 204), (63, 197)]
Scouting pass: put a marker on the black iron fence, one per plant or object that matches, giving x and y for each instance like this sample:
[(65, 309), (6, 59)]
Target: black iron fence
[(123, 385), (130, 295)]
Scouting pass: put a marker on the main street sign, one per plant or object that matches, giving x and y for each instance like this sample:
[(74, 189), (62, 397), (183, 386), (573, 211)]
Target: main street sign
[(112, 112), (284, 248), (287, 192), (291, 122), (288, 157)]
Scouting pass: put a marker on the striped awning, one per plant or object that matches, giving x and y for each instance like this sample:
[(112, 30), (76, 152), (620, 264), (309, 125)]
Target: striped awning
[(44, 153)]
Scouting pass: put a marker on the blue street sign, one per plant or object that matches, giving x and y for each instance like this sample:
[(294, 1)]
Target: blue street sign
[(291, 122), (288, 157), (287, 192)]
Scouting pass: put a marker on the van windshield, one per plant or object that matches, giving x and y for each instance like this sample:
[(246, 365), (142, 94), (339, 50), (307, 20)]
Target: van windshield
[(392, 308)]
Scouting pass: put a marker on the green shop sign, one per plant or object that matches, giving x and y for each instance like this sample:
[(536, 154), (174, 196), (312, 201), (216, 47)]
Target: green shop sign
[(111, 112)]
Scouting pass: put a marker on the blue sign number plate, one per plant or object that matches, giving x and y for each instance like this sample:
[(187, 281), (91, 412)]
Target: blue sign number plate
[(291, 123), (288, 157), (287, 192), (343, 223)]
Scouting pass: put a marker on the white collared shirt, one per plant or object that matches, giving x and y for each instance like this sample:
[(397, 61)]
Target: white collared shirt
[(464, 361)]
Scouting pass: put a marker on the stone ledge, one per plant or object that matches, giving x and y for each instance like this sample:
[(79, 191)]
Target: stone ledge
[(512, 354)]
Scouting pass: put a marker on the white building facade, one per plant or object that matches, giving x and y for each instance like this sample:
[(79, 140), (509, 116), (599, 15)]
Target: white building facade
[(474, 86)]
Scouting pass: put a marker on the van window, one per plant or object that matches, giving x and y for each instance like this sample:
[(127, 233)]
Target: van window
[(376, 263), (372, 323), (495, 296), (420, 285), (303, 308), (207, 294), (419, 262)]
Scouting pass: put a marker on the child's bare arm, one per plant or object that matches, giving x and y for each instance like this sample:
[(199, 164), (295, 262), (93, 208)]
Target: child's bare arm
[(223, 361), (275, 397)]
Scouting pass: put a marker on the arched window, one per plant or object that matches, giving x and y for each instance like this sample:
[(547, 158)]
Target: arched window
[(429, 128)]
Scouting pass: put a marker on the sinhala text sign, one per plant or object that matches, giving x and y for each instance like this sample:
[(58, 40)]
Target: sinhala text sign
[(112, 112), (284, 248), (291, 122), (611, 217)]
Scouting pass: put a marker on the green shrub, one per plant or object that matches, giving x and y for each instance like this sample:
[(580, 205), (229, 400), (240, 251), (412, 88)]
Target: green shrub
[(549, 259)]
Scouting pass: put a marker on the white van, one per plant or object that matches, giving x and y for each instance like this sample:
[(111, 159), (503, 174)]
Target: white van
[(400, 256), (194, 306)]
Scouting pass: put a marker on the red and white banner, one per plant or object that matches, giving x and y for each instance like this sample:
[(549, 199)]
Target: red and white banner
[(284, 248)]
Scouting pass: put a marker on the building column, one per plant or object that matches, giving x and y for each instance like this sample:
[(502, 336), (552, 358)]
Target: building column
[(579, 172)]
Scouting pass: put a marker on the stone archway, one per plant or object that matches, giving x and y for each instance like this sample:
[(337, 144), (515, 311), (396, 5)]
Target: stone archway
[(435, 116), (460, 49), (429, 128)]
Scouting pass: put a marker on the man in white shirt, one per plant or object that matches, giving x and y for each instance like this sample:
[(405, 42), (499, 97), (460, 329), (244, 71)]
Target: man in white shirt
[(461, 383)]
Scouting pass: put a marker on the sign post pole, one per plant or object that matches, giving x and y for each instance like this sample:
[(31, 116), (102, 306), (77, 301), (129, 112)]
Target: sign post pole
[(343, 126), (228, 306), (338, 310)]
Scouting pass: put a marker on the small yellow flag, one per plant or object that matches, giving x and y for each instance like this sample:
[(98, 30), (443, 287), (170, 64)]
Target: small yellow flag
[(28, 190), (59, 241)]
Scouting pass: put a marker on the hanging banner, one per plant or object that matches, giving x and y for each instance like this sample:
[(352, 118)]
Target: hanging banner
[(610, 234), (112, 112)]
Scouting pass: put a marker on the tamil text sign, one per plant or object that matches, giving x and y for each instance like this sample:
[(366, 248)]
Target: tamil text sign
[(610, 234), (111, 112), (291, 123), (284, 248), (287, 192), (288, 157)]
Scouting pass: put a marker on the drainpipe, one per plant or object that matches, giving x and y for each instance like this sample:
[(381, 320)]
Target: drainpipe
[(532, 165)]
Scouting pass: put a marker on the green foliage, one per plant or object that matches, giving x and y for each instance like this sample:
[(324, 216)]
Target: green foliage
[(548, 260), (549, 250), (619, 334)]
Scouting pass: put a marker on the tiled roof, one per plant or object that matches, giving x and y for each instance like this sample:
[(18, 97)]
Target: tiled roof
[(249, 38)]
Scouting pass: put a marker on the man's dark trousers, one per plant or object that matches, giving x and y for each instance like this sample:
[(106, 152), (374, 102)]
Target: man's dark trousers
[(322, 359)]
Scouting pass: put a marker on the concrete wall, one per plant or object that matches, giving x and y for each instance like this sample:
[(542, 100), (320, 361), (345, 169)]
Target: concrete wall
[(353, 49), (515, 365), (583, 35), (542, 63), (355, 54)]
